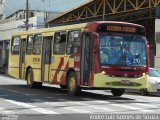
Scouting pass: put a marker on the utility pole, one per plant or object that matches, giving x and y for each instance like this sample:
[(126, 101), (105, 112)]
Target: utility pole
[(27, 8)]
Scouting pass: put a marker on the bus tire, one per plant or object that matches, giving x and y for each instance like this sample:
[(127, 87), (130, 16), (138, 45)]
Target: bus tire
[(30, 80), (144, 92), (72, 87), (117, 92)]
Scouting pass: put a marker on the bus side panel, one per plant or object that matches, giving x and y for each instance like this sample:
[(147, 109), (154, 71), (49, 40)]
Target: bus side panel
[(57, 63), (14, 58), (61, 66), (76, 65), (58, 67), (37, 75), (13, 66), (72, 64)]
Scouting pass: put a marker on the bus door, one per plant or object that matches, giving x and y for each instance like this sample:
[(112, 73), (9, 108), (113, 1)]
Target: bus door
[(22, 58), (86, 58), (46, 57)]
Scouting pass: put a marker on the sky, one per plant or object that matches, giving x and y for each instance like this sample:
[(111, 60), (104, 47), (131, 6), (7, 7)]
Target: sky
[(58, 5), (64, 5), (46, 5)]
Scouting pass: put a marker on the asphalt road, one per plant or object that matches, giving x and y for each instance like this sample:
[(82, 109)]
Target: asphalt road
[(17, 102)]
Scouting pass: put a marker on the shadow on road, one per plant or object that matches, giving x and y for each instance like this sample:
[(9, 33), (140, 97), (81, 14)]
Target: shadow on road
[(22, 93)]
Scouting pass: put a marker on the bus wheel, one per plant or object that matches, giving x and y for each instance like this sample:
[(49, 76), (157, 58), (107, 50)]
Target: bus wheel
[(144, 92), (72, 87), (30, 80), (117, 92)]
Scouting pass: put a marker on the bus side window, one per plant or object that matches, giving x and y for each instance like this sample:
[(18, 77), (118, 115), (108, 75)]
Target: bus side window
[(59, 43), (15, 45), (37, 44), (29, 44), (73, 42)]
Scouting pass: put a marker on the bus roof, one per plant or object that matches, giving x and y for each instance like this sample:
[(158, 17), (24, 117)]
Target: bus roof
[(117, 22), (51, 29), (93, 26)]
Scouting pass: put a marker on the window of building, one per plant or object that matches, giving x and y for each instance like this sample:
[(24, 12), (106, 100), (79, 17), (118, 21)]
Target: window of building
[(15, 45), (29, 45), (73, 42), (59, 43), (37, 44)]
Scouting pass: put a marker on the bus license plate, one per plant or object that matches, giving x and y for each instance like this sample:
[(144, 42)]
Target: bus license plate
[(125, 82)]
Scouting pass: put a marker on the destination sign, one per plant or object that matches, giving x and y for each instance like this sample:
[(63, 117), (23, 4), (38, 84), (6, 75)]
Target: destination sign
[(121, 28)]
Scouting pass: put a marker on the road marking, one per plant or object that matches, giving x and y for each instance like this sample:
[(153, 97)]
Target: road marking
[(77, 110), (58, 104), (126, 106), (32, 107), (108, 109), (8, 112), (54, 104), (118, 105), (88, 105), (146, 105), (3, 111), (15, 91), (92, 106), (98, 101), (101, 108), (146, 110)]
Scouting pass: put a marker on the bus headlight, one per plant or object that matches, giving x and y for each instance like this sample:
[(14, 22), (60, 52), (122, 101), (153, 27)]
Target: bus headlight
[(144, 74), (103, 72)]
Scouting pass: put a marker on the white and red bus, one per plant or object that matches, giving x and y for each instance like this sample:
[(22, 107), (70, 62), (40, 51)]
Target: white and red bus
[(97, 55)]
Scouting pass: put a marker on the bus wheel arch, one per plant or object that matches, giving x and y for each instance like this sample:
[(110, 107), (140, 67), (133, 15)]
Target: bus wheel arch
[(64, 86), (27, 70), (72, 83), (30, 79)]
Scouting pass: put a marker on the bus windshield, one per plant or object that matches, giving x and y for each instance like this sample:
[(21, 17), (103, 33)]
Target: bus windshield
[(122, 50)]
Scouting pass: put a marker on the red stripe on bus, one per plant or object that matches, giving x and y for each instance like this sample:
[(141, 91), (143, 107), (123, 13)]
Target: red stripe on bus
[(59, 68)]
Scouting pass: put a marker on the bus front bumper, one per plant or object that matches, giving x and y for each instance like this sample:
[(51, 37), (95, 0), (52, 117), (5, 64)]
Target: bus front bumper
[(105, 81)]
